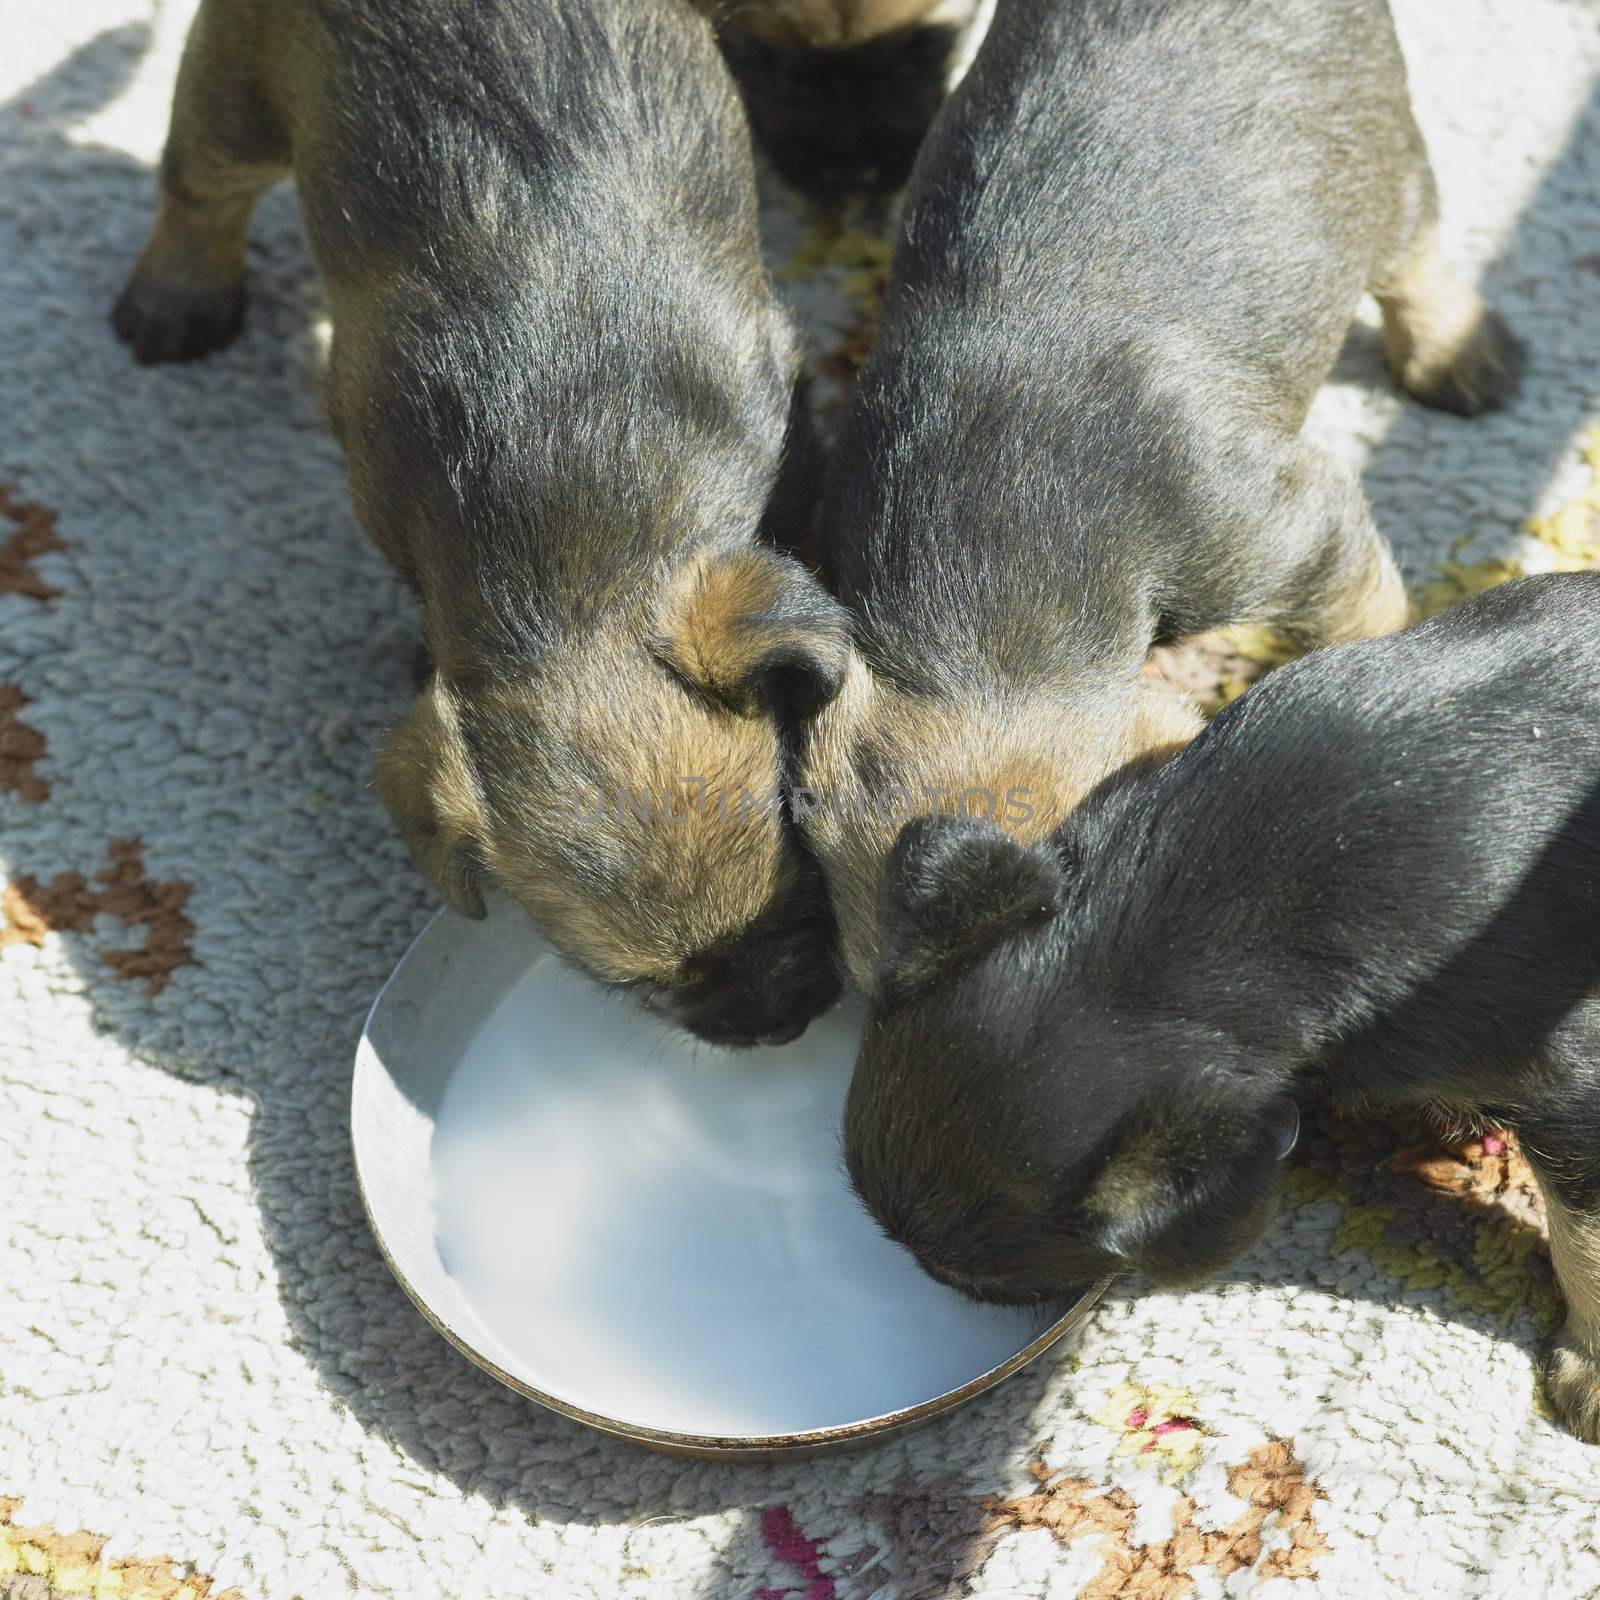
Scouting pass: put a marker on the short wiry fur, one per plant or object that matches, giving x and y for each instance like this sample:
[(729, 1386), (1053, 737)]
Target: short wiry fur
[(564, 390), (1131, 249), (1376, 877)]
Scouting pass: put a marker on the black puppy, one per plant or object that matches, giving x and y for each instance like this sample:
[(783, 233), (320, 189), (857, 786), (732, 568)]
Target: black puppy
[(1378, 873), (1131, 249), (566, 395)]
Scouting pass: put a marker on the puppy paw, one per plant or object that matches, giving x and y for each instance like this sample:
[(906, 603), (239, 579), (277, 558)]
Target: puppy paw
[(1478, 370), (166, 321), (1571, 1376)]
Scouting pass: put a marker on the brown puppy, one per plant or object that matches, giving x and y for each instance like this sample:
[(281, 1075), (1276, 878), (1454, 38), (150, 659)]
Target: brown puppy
[(1129, 256), (564, 390)]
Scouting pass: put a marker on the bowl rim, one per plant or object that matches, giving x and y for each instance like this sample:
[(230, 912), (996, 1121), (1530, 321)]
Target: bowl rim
[(727, 1446)]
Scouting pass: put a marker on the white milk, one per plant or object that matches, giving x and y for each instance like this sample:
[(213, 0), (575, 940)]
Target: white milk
[(661, 1231)]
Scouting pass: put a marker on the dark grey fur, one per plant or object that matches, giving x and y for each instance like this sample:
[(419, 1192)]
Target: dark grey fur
[(1133, 245), (1376, 876)]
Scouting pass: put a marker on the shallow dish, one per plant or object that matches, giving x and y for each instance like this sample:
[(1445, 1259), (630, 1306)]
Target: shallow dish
[(651, 1235)]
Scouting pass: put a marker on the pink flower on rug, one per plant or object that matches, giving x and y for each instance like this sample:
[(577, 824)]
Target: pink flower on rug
[(782, 1536)]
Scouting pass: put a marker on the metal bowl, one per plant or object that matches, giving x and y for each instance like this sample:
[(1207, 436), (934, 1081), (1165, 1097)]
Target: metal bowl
[(650, 1235)]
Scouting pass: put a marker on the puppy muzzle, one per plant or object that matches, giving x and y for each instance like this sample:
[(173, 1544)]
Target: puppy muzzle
[(763, 987)]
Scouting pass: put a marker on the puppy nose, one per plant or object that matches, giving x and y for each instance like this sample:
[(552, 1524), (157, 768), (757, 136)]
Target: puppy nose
[(735, 1033), (782, 1032)]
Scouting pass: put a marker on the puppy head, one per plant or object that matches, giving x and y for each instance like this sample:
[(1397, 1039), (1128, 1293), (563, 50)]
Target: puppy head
[(843, 117), (878, 755), (1020, 1136), (626, 792)]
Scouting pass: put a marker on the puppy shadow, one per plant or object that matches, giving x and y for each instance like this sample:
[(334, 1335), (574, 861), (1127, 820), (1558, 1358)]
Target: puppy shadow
[(287, 840)]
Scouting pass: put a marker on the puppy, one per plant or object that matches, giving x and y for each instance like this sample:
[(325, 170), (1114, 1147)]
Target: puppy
[(1130, 252), (841, 93), (1377, 875), (563, 387)]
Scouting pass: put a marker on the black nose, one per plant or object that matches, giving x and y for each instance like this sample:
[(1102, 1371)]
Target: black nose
[(763, 986), (735, 1037), (740, 1008), (782, 1032)]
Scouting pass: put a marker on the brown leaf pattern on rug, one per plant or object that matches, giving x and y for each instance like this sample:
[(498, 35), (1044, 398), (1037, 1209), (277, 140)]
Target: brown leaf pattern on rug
[(33, 536), (69, 904), (857, 250), (37, 1563), (846, 359), (1270, 1481), (1204, 667), (21, 748), (1486, 1169), (938, 1535), (1433, 1209)]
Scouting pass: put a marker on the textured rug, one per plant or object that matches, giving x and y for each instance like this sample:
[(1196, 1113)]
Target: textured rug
[(208, 1382)]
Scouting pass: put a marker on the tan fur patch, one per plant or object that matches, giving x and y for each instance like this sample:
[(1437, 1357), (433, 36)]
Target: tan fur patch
[(1575, 1254), (1270, 1480), (67, 904), (635, 820), (199, 248), (668, 790), (1046, 755), (424, 778), (34, 536), (1430, 316), (707, 615), (1374, 603), (21, 749), (1571, 1360)]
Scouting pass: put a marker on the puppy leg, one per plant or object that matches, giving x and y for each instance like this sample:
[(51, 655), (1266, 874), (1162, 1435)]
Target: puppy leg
[(186, 295), (1369, 597), (1569, 1360), (1445, 347), (1346, 584)]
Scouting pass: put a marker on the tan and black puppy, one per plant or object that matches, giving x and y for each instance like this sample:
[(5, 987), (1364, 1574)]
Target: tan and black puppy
[(1130, 253), (1375, 878), (841, 92), (563, 387)]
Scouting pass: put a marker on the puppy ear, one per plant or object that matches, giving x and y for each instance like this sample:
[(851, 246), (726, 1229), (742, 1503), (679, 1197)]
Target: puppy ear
[(1189, 1189), (954, 885), (425, 779), (756, 632)]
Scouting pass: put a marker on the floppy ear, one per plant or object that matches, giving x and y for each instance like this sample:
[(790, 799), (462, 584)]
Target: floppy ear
[(954, 885), (425, 779), (1189, 1188), (756, 632)]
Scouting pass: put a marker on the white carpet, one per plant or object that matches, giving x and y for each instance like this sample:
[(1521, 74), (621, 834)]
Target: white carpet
[(203, 1360)]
